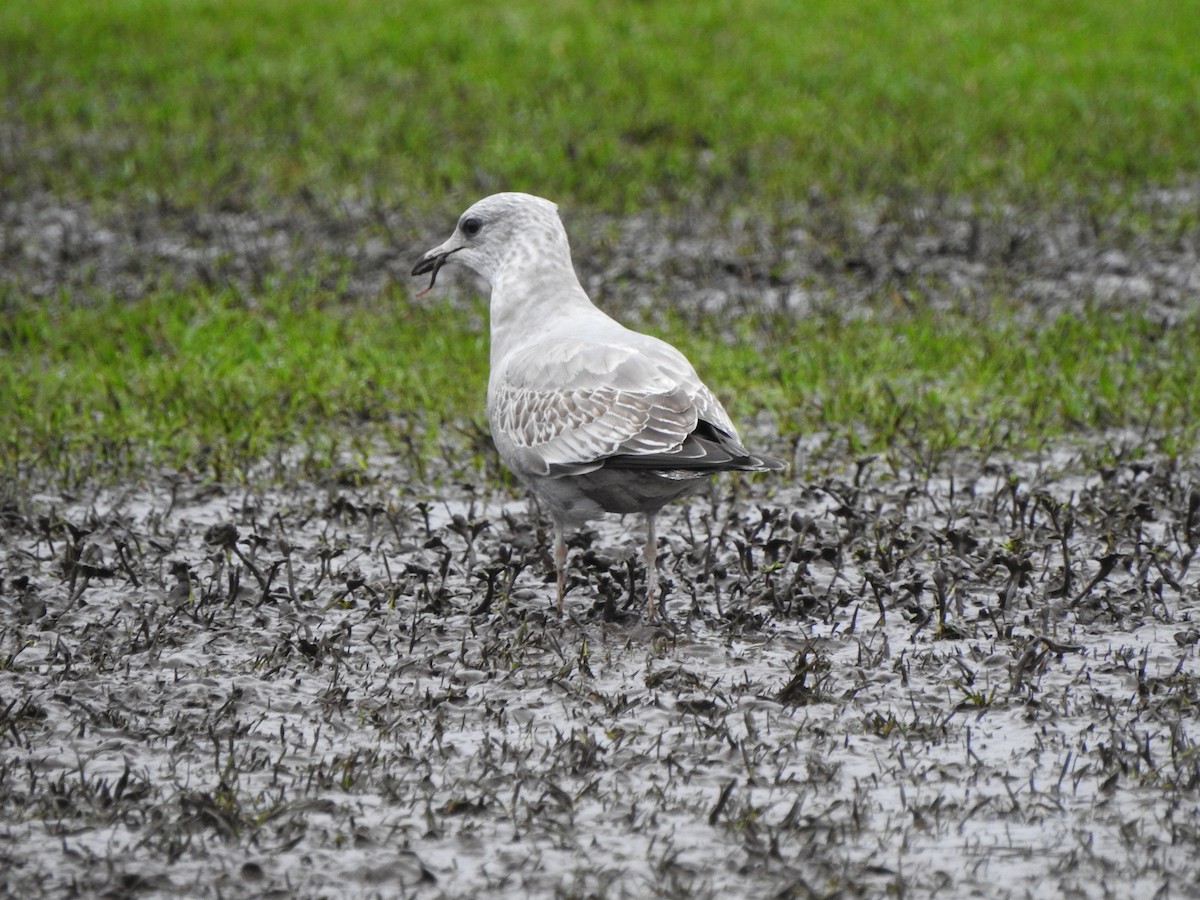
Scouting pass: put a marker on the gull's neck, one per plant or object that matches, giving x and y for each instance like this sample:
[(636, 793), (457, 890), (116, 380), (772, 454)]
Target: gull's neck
[(535, 291)]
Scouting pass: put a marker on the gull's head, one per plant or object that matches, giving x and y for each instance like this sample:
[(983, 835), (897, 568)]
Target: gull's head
[(499, 231)]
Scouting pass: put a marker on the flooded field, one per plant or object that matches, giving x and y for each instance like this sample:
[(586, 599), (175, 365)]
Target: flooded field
[(978, 678)]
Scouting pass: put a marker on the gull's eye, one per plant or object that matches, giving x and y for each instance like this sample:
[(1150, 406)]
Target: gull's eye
[(472, 226)]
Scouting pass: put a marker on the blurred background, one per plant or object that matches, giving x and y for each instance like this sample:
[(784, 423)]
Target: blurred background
[(203, 205), (613, 106)]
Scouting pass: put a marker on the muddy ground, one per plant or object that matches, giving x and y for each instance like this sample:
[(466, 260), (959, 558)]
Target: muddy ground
[(974, 674), (812, 255)]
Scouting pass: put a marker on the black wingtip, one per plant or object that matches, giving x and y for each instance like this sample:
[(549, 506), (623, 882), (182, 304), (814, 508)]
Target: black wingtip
[(767, 463)]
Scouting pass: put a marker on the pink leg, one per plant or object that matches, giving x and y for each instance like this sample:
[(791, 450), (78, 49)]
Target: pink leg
[(560, 562), (650, 557)]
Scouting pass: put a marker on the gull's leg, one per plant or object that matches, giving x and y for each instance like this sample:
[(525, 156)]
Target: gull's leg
[(650, 557), (560, 562)]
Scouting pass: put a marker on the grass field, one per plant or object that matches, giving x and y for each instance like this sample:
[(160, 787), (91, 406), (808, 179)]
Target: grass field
[(255, 108), (204, 379), (273, 622), (614, 106)]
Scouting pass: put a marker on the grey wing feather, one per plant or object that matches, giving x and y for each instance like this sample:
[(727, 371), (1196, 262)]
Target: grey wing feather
[(566, 409)]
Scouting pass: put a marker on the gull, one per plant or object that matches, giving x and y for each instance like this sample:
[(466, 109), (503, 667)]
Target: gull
[(592, 417)]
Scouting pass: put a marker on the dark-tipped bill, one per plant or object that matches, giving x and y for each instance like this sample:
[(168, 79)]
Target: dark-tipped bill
[(430, 262)]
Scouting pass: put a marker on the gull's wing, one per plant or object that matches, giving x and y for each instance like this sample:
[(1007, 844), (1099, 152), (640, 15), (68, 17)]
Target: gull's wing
[(572, 405)]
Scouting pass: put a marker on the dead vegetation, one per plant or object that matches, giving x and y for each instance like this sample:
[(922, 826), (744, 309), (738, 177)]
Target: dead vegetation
[(978, 678)]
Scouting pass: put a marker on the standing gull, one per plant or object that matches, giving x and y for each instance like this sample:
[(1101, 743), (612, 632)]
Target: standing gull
[(590, 416)]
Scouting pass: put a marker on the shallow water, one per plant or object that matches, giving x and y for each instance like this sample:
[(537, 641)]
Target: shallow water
[(321, 708)]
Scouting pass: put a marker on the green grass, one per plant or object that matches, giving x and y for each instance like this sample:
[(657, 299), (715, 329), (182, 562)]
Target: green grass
[(195, 104), (610, 105), (211, 383), (934, 381)]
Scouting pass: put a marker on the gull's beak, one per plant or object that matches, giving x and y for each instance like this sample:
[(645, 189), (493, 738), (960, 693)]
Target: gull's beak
[(432, 262)]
